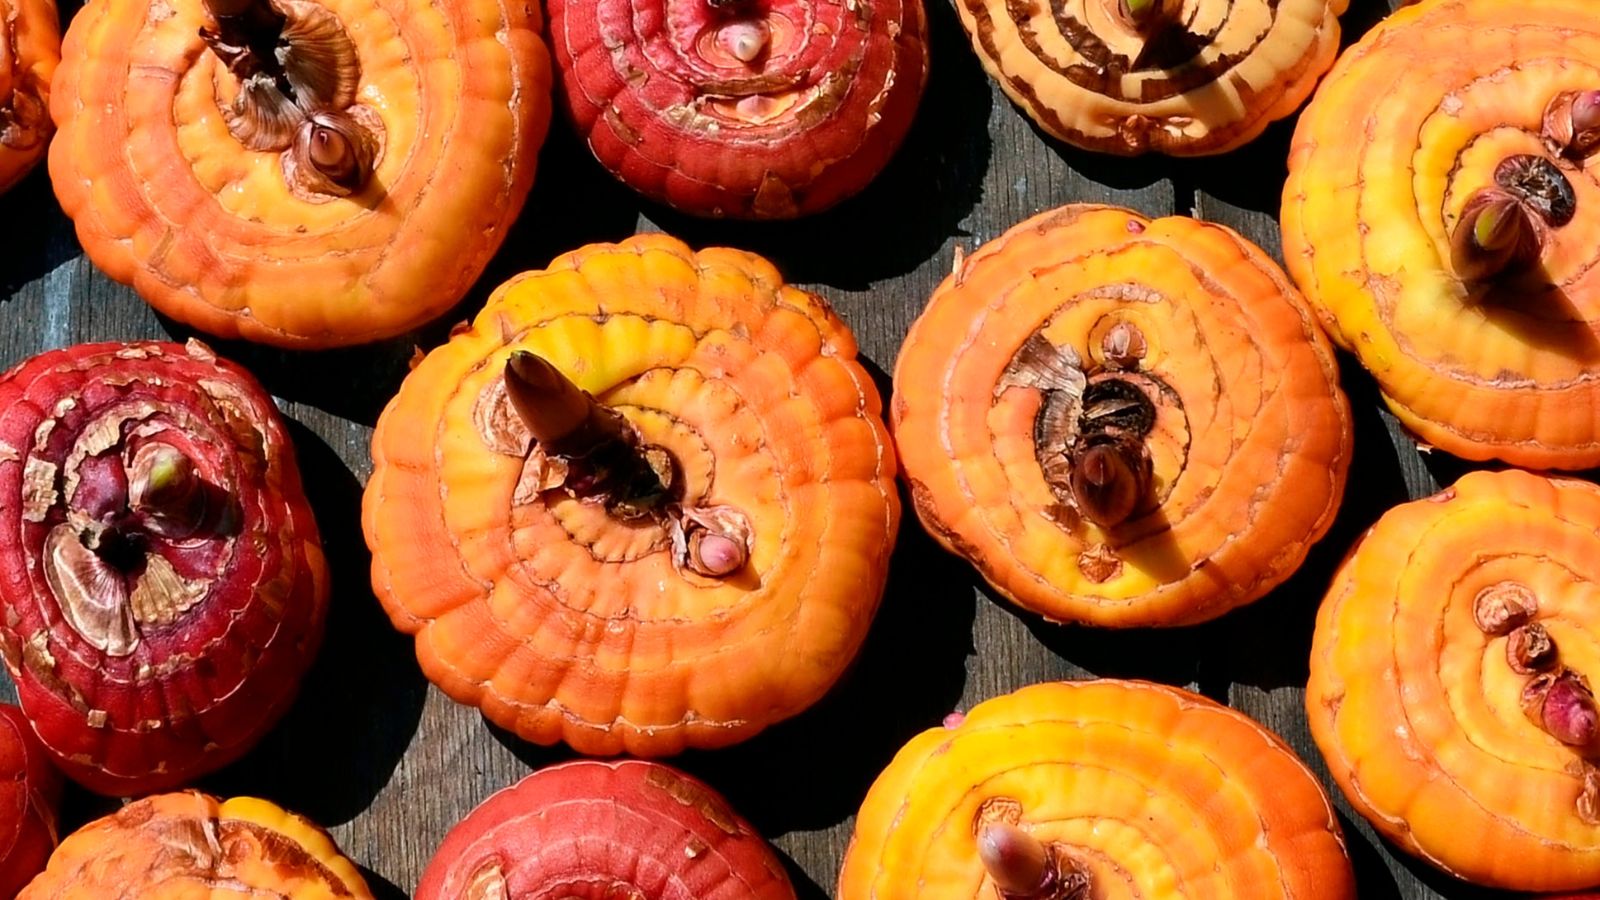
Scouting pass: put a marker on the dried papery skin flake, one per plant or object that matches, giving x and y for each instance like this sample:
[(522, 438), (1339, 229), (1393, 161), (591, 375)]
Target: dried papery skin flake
[(159, 545), (569, 611), (609, 829), (30, 49), (1081, 415), (1136, 76), (184, 845), (1479, 361), (328, 174), (1135, 789), (760, 110), (30, 798), (1432, 734)]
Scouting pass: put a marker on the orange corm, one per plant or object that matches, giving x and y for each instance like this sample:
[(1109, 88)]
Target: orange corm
[(644, 502), (186, 845), (1183, 77), (304, 173), (1450, 688), (30, 48), (1445, 220), (1122, 421), (1102, 789)]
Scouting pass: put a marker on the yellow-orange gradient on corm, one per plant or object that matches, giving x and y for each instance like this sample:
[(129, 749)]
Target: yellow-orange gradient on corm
[(1048, 341), (1386, 163), (183, 184), (1434, 735), (30, 48), (564, 622), (187, 845), (1141, 790), (1184, 77)]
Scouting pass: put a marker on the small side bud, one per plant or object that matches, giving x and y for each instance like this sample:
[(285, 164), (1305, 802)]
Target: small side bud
[(339, 150), (1562, 704), (1124, 346), (1572, 124)]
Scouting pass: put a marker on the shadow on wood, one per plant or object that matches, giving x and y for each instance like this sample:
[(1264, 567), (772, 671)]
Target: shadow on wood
[(906, 214), (36, 235), (382, 888), (805, 888), (1375, 880), (362, 701)]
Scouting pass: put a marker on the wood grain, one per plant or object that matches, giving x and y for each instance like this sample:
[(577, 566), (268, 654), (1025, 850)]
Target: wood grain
[(390, 764)]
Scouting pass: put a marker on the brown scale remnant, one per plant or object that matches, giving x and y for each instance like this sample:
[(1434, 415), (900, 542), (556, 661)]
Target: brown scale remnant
[(1529, 649), (298, 74), (1502, 607), (488, 883)]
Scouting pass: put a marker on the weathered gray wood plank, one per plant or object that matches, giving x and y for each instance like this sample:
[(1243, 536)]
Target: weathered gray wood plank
[(390, 764)]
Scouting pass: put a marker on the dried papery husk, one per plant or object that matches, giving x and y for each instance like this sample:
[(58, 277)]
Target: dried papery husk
[(605, 829), (30, 799), (1432, 733), (157, 619), (1016, 375), (222, 218), (754, 109), (186, 845), (1139, 790), (30, 49), (1204, 77), (1482, 362), (567, 615)]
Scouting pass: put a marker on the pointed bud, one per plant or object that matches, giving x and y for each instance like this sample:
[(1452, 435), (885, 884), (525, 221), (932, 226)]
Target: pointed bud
[(745, 40), (1111, 478), (1494, 234), (561, 416), (163, 484), (1016, 860)]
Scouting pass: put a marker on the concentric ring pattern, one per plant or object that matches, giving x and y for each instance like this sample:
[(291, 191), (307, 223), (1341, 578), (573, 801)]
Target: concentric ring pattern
[(144, 655), (165, 197), (1211, 81), (188, 845), (1245, 430), (1423, 720), (754, 109), (1381, 170), (588, 829), (566, 624), (1149, 791)]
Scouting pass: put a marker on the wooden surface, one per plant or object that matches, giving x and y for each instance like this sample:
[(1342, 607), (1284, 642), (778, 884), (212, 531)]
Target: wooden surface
[(389, 764)]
